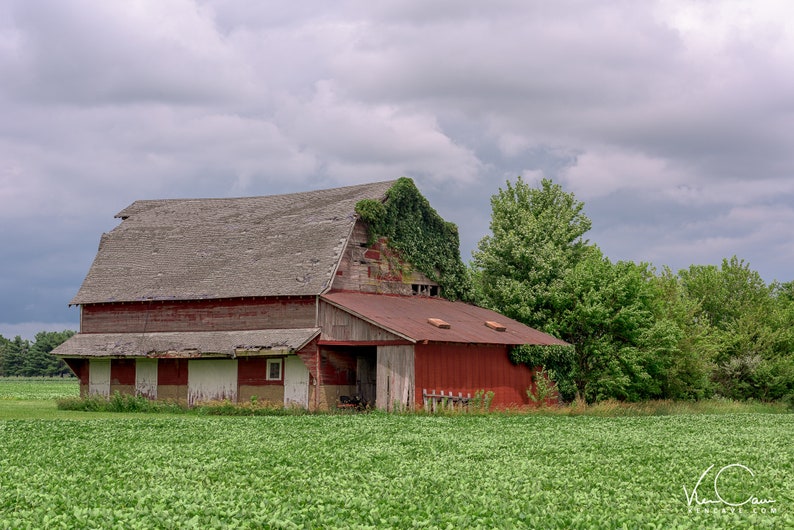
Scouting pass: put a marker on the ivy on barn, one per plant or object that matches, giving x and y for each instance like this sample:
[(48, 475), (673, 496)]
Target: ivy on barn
[(423, 238)]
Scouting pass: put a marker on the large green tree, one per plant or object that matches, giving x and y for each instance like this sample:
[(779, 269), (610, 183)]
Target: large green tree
[(536, 240)]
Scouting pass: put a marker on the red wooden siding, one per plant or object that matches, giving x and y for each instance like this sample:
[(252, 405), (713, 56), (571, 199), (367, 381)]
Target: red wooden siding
[(468, 368), (80, 369), (200, 315), (374, 268), (172, 371), (252, 371), (338, 367), (122, 372)]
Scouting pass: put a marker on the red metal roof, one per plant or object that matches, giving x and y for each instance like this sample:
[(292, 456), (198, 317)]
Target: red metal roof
[(408, 316)]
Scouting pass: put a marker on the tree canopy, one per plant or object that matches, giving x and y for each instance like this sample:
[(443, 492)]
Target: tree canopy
[(635, 333)]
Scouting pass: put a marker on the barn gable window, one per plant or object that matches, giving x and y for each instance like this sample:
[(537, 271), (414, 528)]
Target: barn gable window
[(274, 369)]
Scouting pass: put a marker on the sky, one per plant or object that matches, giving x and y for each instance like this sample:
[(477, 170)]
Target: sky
[(672, 121)]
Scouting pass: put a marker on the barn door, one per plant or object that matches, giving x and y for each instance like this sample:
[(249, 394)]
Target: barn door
[(99, 377), (211, 380), (146, 378), (296, 382)]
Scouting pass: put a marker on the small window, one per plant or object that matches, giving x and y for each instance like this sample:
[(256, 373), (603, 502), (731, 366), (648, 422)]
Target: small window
[(274, 369)]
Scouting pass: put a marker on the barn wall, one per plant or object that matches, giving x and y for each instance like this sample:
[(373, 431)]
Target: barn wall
[(374, 268), (80, 369), (122, 376), (211, 380), (172, 379), (468, 368), (342, 326), (395, 377), (201, 315)]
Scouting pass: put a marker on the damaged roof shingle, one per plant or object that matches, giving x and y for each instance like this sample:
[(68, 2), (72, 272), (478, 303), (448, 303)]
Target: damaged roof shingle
[(188, 249)]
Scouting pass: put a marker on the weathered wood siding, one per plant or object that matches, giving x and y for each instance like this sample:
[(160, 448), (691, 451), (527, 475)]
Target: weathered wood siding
[(339, 325), (468, 368), (122, 376), (395, 378), (146, 378), (211, 380), (172, 379), (99, 377), (374, 268), (199, 315)]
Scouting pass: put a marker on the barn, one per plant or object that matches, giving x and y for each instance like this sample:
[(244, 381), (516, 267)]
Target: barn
[(283, 298)]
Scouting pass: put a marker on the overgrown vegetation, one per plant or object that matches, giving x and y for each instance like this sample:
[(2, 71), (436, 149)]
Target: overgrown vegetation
[(423, 238), (118, 402), (636, 334)]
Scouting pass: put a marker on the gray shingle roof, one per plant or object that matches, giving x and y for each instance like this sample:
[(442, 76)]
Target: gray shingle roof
[(186, 344), (188, 249)]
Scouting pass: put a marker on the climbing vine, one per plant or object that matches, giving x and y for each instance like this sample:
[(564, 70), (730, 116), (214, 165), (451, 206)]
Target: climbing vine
[(422, 237)]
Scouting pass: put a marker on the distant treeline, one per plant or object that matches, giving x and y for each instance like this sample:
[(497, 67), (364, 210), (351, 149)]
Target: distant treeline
[(21, 357)]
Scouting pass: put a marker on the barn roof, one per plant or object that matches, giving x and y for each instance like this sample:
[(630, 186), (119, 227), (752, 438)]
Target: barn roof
[(187, 344), (188, 249), (419, 319)]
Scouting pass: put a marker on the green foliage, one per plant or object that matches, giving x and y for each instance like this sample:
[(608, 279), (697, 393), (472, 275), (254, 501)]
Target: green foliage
[(545, 391), (22, 358), (387, 471), (37, 388), (422, 237), (704, 331), (536, 240), (481, 402)]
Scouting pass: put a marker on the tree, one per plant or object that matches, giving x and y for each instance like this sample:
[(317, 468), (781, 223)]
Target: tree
[(536, 240), (13, 358), (39, 361)]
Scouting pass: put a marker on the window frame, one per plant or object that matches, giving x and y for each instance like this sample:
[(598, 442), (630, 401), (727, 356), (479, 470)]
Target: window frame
[(280, 363)]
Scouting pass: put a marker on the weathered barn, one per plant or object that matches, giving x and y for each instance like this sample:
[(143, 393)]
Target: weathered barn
[(286, 298)]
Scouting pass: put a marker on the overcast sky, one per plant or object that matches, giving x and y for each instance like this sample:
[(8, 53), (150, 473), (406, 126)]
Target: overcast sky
[(672, 121)]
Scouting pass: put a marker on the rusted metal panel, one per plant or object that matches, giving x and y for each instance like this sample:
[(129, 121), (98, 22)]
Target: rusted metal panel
[(467, 368), (211, 380), (146, 378), (395, 378), (99, 377), (296, 382), (407, 317)]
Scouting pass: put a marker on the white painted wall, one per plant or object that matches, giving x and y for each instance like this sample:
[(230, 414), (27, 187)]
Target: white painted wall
[(99, 377), (296, 382), (146, 378), (211, 380)]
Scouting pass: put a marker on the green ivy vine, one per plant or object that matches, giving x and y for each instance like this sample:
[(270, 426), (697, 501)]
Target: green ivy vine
[(422, 237)]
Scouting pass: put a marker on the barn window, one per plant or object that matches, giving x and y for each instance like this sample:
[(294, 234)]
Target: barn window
[(274, 369)]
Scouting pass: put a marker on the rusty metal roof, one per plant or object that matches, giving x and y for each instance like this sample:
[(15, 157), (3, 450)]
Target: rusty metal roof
[(187, 344), (416, 318)]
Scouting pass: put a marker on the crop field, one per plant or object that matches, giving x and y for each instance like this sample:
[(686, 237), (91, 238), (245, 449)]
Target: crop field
[(33, 388), (397, 471)]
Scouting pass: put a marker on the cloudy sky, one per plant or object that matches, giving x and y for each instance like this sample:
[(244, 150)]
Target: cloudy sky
[(673, 121)]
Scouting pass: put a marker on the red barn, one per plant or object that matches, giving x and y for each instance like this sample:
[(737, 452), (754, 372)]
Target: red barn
[(284, 298)]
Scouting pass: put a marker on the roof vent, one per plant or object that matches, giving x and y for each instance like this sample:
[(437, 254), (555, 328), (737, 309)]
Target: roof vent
[(437, 322), (495, 325)]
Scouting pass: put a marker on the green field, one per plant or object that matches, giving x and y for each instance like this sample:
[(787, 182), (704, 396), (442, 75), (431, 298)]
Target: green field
[(83, 470)]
